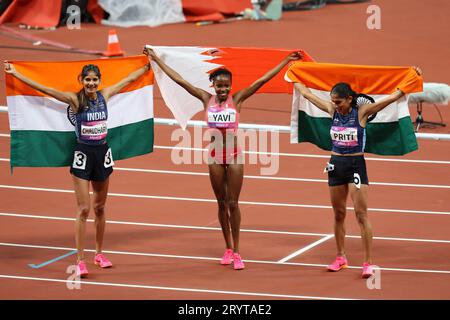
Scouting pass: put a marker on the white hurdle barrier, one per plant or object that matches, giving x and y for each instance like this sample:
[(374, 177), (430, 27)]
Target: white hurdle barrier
[(263, 127)]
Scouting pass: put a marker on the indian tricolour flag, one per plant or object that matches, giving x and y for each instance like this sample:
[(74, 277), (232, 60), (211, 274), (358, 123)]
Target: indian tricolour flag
[(41, 134), (195, 64), (390, 133)]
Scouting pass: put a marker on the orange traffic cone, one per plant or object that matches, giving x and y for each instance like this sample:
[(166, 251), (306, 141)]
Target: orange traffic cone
[(113, 48)]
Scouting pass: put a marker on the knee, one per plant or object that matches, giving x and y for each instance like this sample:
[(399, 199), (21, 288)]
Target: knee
[(83, 212), (99, 209), (339, 214), (233, 205), (222, 205), (362, 218)]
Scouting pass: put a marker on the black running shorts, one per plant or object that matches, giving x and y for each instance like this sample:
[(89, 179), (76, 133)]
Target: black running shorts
[(93, 163), (347, 169)]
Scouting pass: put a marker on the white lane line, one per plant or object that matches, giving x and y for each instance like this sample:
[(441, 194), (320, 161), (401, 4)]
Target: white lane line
[(274, 204), (176, 226), (158, 225), (305, 155), (142, 254), (391, 184), (156, 255), (402, 239), (302, 155), (304, 249), (124, 285), (192, 173), (213, 200), (409, 185)]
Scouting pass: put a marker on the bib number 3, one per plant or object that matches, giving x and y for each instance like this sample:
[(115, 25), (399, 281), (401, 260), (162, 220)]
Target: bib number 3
[(79, 160), (109, 162)]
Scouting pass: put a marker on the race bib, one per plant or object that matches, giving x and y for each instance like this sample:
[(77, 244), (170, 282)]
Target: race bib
[(109, 162), (222, 119), (343, 136), (95, 130), (79, 160)]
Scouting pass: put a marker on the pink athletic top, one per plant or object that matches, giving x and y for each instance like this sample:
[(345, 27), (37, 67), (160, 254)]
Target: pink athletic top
[(222, 116)]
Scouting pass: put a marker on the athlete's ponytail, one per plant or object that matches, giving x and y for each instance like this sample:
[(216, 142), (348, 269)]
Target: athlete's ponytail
[(361, 99), (344, 90)]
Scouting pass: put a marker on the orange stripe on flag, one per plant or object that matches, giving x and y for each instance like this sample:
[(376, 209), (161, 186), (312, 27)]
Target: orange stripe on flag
[(363, 79), (63, 76)]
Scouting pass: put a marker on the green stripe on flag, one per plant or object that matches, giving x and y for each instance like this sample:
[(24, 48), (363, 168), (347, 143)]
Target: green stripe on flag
[(389, 139), (132, 139), (314, 130), (31, 148)]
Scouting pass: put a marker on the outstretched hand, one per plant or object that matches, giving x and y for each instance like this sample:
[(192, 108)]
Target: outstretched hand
[(418, 70), (296, 55), (150, 53), (9, 67)]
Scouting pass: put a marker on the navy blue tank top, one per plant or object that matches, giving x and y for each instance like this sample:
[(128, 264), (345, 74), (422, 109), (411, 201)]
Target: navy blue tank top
[(91, 123), (347, 135)]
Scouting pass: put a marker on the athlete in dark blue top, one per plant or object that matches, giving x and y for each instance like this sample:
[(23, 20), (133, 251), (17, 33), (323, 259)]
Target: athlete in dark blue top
[(347, 169), (347, 135), (92, 157), (91, 123)]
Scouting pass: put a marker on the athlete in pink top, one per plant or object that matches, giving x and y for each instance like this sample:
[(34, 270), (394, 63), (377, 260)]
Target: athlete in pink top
[(222, 116), (223, 122)]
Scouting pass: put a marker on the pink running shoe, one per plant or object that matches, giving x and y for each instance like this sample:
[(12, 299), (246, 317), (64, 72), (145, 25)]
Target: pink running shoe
[(81, 269), (238, 264), (367, 270), (227, 257), (100, 260), (338, 264)]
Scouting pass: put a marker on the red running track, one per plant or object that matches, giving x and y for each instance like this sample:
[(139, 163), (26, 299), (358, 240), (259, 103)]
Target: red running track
[(163, 234)]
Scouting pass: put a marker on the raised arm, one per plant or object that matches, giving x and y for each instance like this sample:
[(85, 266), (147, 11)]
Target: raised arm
[(200, 94), (108, 92), (323, 105), (243, 94), (369, 109), (66, 97)]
